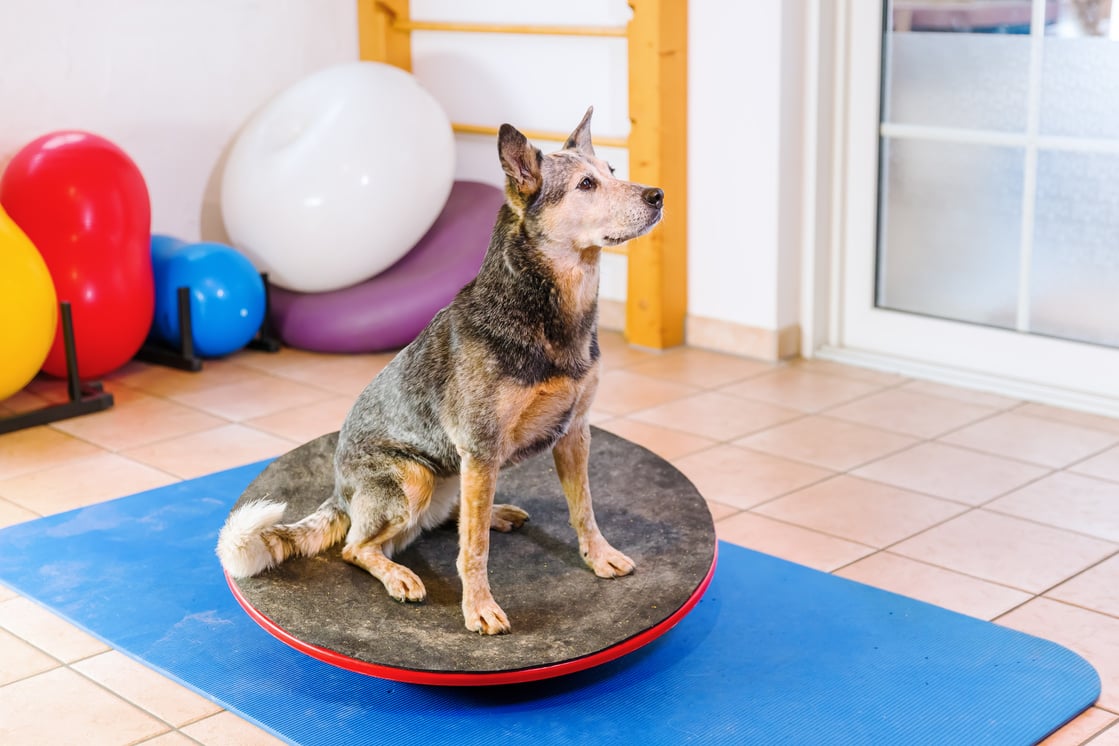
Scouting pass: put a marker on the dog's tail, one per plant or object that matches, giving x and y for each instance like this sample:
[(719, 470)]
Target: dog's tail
[(253, 540)]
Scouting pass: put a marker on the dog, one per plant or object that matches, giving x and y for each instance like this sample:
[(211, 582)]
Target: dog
[(507, 370)]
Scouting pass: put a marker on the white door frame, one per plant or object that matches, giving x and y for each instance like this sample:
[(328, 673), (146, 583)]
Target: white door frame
[(1027, 366)]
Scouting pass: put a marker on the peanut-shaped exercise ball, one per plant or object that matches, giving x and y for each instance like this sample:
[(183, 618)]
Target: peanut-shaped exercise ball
[(84, 204)]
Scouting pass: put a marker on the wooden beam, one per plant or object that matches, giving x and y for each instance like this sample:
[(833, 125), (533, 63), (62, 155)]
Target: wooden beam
[(381, 36), (656, 296), (512, 28)]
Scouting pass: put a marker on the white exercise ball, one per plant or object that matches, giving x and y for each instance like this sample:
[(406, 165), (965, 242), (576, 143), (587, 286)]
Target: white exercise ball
[(338, 176)]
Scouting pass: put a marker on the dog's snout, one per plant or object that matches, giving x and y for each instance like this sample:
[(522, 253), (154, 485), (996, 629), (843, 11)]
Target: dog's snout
[(654, 196)]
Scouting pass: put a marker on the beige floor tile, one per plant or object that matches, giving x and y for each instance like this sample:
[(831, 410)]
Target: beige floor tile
[(716, 416), (701, 368), (275, 363), (1104, 465), (82, 482), (617, 353), (137, 419), (598, 417), (951, 472), (60, 706), (828, 367), (19, 659), (1081, 728), (22, 401), (169, 382), (793, 543), (1070, 417), (865, 512), (1096, 588), (174, 738), (827, 442), (1006, 550), (1094, 636), (346, 375), (51, 634), (255, 398), (211, 450), (36, 448), (49, 389), (146, 689), (11, 514), (1109, 737), (743, 478), (800, 389), (1040, 441), (1071, 501), (307, 422), (226, 729), (621, 392), (934, 585), (720, 511), (969, 396), (665, 442), (911, 413)]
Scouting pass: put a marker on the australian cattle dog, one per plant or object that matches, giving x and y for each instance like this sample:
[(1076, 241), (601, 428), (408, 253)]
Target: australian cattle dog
[(507, 370)]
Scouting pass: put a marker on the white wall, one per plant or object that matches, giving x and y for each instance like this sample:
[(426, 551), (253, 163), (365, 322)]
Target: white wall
[(744, 146), (171, 82)]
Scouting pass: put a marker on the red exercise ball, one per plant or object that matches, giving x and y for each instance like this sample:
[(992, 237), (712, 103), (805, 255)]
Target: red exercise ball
[(84, 204)]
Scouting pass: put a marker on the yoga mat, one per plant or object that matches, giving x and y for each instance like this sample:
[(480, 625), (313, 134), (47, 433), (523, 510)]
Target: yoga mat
[(773, 653)]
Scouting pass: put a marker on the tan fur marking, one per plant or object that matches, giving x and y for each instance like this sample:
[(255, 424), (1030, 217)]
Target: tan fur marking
[(570, 456), (400, 582), (480, 611), (527, 414), (418, 484)]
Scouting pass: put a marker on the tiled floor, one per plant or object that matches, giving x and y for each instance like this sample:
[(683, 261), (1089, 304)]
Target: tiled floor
[(997, 508)]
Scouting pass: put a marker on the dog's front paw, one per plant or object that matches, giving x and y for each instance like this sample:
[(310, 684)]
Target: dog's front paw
[(608, 562), (404, 585), (485, 617), (507, 517)]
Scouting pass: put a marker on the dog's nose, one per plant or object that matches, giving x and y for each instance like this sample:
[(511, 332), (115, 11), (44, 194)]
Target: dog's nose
[(654, 196)]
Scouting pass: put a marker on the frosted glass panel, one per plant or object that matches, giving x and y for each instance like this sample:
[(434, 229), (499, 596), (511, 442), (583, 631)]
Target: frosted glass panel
[(976, 81), (950, 226), (1074, 274), (1080, 87)]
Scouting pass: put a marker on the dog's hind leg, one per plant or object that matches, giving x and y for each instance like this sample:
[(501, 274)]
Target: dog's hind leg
[(386, 515), (571, 454), (505, 518)]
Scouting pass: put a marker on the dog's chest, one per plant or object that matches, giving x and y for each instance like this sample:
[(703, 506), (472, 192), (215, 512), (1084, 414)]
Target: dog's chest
[(538, 415)]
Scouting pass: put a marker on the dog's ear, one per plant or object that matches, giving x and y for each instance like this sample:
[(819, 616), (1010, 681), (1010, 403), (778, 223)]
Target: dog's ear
[(520, 161), (580, 139)]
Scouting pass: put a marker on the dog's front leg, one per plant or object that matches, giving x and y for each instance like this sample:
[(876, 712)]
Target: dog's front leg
[(571, 454), (480, 611)]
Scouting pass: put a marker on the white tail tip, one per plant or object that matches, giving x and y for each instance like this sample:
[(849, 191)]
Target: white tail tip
[(241, 549)]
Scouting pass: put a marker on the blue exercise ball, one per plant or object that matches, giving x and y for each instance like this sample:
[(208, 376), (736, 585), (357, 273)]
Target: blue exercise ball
[(226, 295)]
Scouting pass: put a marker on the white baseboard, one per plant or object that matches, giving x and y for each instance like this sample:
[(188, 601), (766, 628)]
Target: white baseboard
[(717, 335)]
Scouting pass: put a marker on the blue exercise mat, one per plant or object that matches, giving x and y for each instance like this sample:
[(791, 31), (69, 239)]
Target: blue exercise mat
[(774, 653)]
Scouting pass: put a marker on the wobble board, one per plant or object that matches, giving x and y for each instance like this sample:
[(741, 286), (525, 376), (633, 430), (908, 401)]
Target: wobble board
[(564, 618)]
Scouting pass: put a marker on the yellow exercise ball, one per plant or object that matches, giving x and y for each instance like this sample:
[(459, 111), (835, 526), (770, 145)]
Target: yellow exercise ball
[(28, 308)]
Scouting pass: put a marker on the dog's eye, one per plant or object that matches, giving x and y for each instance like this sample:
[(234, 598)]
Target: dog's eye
[(587, 183)]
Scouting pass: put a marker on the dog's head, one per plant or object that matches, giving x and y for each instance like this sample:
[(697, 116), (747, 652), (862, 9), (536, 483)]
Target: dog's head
[(571, 196)]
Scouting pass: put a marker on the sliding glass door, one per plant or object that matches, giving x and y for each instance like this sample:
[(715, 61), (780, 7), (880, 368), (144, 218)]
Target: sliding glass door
[(982, 156)]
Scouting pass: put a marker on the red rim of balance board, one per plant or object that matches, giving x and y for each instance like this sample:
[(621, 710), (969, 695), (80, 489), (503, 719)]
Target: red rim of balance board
[(485, 678)]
